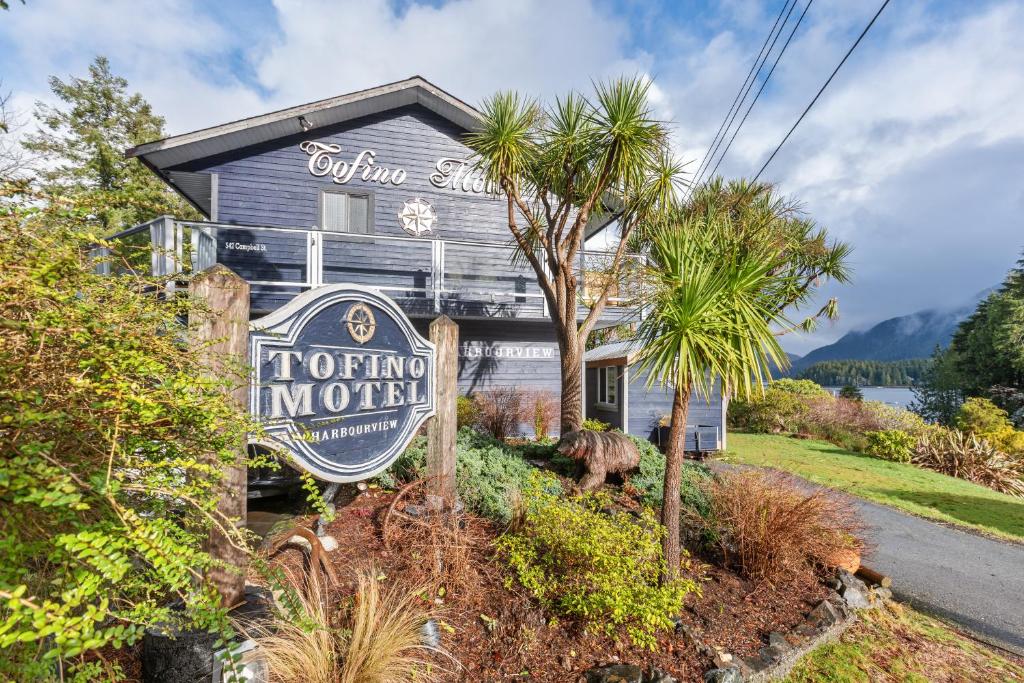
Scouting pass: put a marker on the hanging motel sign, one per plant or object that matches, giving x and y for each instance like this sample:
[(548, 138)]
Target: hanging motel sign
[(341, 381)]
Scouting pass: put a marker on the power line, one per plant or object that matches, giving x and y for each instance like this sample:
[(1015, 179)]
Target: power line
[(746, 91), (761, 89), (834, 72), (754, 68)]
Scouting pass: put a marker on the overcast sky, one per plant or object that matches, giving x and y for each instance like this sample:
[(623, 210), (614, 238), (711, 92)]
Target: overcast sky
[(915, 154)]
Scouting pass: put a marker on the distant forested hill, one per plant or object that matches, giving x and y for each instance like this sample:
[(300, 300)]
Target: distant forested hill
[(908, 336), (873, 373)]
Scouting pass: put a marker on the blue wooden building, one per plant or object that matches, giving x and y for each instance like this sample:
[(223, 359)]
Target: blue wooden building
[(617, 393), (376, 188)]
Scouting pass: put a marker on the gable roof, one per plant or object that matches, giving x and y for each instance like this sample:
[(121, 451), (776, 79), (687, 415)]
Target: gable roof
[(161, 155)]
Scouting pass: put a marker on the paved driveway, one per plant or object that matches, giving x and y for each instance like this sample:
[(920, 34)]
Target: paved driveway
[(969, 579)]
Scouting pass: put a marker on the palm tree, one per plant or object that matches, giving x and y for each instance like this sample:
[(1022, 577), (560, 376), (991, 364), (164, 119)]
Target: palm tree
[(713, 305), (566, 167)]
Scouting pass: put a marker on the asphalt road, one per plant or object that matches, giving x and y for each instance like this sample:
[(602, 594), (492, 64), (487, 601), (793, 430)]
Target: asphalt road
[(966, 578)]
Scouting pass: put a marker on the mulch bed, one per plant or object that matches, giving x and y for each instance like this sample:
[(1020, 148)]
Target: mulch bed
[(497, 633)]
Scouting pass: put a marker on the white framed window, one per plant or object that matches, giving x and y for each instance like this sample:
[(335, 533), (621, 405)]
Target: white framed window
[(608, 386), (346, 212)]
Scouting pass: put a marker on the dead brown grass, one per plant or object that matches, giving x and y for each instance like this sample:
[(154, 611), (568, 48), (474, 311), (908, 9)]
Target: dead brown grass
[(375, 638), (772, 531)]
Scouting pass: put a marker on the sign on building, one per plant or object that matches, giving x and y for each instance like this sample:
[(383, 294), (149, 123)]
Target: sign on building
[(342, 381)]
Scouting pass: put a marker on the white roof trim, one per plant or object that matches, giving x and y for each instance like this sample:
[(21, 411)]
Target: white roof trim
[(206, 142)]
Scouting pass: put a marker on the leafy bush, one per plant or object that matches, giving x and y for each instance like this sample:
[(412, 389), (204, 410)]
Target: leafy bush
[(114, 444), (986, 420), (772, 531), (488, 473), (887, 417), (499, 411), (596, 425), (779, 409), (466, 412), (965, 456), (601, 568), (891, 444)]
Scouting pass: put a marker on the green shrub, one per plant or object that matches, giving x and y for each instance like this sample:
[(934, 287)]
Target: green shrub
[(891, 444), (466, 411), (603, 569), (489, 474), (986, 420), (891, 417), (114, 442), (595, 425), (777, 410)]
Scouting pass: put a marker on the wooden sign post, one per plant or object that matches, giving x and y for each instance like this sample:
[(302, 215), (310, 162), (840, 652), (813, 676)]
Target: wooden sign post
[(442, 428), (222, 336)]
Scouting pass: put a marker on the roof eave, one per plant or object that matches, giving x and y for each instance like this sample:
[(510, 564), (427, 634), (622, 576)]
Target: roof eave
[(419, 89)]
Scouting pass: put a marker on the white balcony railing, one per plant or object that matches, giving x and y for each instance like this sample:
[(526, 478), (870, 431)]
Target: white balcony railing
[(463, 277)]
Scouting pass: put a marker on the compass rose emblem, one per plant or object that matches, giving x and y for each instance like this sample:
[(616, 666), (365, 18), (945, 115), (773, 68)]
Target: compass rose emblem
[(361, 323), (418, 217)]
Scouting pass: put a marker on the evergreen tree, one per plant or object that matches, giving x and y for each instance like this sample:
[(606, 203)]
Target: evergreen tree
[(987, 351), (851, 392), (81, 145)]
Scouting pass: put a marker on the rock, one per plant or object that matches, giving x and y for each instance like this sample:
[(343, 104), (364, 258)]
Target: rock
[(854, 591), (414, 510), (658, 676), (778, 641), (430, 635), (362, 485), (824, 615), (617, 673), (882, 594), (722, 659), (728, 675), (330, 543)]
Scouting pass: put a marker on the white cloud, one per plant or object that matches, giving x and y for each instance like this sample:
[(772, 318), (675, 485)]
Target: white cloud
[(906, 155)]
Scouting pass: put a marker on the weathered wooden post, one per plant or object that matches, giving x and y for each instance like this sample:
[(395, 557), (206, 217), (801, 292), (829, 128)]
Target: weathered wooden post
[(223, 339), (442, 428)]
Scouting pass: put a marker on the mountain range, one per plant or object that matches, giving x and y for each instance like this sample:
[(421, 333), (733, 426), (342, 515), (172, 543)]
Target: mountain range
[(907, 336)]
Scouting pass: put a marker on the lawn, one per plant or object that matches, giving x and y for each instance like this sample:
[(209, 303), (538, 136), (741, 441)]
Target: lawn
[(913, 489), (899, 644)]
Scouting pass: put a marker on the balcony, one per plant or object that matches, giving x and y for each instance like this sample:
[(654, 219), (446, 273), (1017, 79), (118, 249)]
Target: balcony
[(427, 277)]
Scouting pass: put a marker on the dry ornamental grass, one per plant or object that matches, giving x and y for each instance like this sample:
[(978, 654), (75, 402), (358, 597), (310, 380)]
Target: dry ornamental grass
[(772, 531)]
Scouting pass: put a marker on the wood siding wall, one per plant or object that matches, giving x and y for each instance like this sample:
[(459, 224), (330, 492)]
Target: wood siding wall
[(270, 184), (648, 405)]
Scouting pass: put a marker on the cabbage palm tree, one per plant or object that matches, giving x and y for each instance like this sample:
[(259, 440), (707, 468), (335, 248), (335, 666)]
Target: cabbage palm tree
[(566, 167), (713, 306)]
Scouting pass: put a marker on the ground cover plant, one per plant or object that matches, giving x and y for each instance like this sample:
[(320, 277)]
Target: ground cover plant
[(602, 567), (912, 489), (899, 644), (488, 473)]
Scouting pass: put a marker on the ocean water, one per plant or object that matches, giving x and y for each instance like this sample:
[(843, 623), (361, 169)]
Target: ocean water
[(900, 397)]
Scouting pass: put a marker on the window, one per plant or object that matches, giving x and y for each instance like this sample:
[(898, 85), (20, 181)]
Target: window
[(345, 212), (608, 386)]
